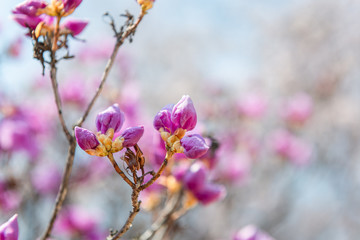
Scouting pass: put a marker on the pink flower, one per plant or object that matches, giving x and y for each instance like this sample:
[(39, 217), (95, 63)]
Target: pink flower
[(132, 135), (183, 114), (74, 26), (46, 178), (251, 232), (252, 105), (298, 109), (70, 5), (26, 13), (10, 229)]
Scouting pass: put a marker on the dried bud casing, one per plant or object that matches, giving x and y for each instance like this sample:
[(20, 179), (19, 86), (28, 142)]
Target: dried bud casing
[(112, 117), (194, 146)]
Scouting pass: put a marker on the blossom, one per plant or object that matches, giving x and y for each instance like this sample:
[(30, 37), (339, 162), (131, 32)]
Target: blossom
[(26, 13), (251, 232), (252, 105), (10, 229), (108, 138), (173, 121), (298, 109), (73, 26)]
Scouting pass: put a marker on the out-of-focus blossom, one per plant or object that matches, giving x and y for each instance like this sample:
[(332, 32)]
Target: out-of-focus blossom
[(146, 4), (14, 49), (196, 181), (298, 109), (26, 13), (74, 26), (290, 147), (75, 221), (252, 105), (46, 178), (251, 232), (10, 198), (72, 91), (173, 121), (10, 229)]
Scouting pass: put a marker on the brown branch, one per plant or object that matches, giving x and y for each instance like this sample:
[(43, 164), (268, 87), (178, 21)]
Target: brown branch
[(159, 172), (120, 40), (63, 189), (136, 208), (55, 88), (119, 171)]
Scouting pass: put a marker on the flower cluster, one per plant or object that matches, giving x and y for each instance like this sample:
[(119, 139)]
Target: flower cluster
[(108, 123), (173, 121), (39, 16)]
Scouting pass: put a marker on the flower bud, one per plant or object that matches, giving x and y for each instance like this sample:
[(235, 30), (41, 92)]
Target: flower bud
[(210, 193), (75, 27), (112, 117), (195, 178), (194, 146), (132, 135), (86, 139), (162, 119), (10, 229), (183, 114), (26, 13)]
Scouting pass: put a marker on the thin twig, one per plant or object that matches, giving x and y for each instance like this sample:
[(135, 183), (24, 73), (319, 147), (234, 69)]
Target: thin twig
[(63, 189), (119, 171), (55, 88), (128, 224), (70, 137), (159, 172), (120, 40)]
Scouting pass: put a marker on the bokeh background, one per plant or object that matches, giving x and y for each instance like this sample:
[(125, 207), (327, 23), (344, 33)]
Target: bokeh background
[(265, 77)]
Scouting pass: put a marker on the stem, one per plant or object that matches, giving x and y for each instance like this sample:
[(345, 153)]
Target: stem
[(63, 189), (55, 88), (120, 40), (136, 208), (165, 217), (158, 174), (56, 34), (119, 171)]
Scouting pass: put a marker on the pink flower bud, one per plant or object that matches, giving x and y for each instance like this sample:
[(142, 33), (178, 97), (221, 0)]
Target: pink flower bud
[(194, 146), (132, 135), (75, 26), (10, 229), (86, 139), (163, 119), (183, 114), (195, 178), (210, 193), (70, 5), (112, 117)]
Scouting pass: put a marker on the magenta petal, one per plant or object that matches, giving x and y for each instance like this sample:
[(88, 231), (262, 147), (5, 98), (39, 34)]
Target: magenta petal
[(71, 4), (29, 7), (27, 21), (75, 26), (183, 114), (132, 135), (194, 146), (163, 119), (210, 193), (10, 229), (195, 178), (112, 117), (86, 139)]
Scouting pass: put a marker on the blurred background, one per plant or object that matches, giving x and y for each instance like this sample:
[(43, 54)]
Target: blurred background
[(274, 82)]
